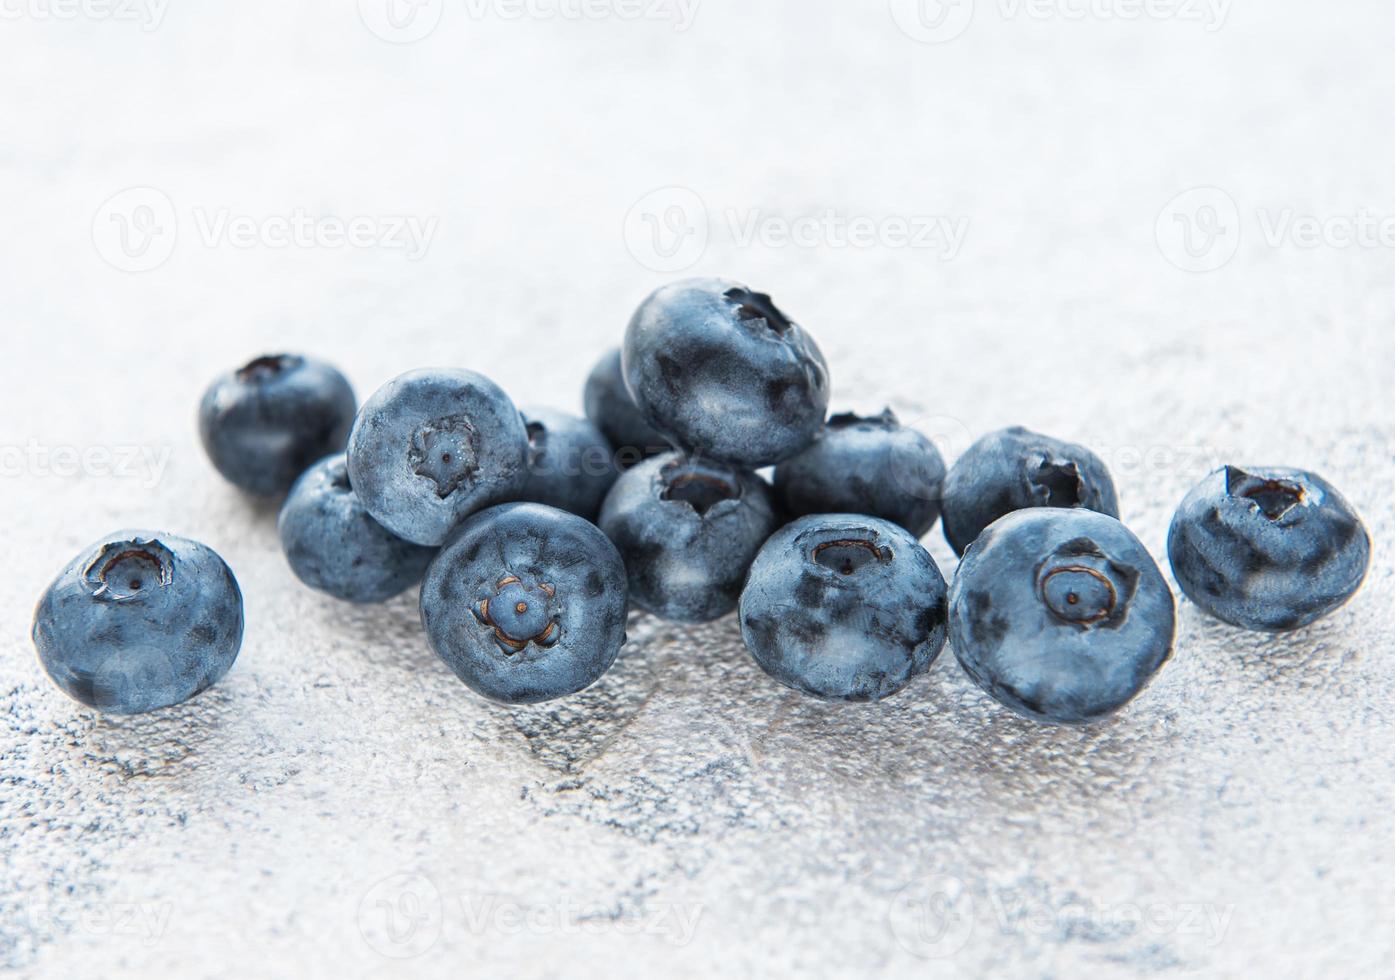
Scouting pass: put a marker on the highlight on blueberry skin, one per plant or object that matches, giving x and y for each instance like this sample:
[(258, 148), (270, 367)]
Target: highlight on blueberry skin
[(1015, 468), (334, 546), (844, 607), (433, 446), (526, 603), (724, 373), (570, 464), (866, 465), (1268, 548), (1061, 615), (265, 423), (611, 409), (688, 531), (139, 621)]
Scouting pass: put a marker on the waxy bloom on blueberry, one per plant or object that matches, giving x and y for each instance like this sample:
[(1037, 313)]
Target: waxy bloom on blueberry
[(612, 410), (1062, 615), (844, 607), (139, 621), (265, 423), (1268, 548), (333, 545), (726, 375), (433, 446), (866, 465), (688, 531), (570, 464), (526, 603), (1016, 468)]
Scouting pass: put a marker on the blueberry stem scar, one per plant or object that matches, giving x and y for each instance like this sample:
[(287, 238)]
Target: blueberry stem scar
[(1274, 498)]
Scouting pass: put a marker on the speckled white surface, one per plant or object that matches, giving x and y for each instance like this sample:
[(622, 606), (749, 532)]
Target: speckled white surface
[(341, 806)]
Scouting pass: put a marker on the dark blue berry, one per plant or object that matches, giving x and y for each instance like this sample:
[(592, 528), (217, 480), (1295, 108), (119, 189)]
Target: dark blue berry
[(333, 545), (610, 407), (844, 607), (139, 621), (433, 446), (526, 603), (688, 531), (1267, 548), (265, 423), (1061, 615), (724, 373), (866, 465), (570, 464), (1014, 469)]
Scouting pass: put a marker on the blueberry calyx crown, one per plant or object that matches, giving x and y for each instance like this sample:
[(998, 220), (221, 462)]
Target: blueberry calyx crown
[(518, 615), (445, 452), (129, 569), (1274, 498), (1081, 586), (700, 487), (847, 555), (260, 370), (751, 305), (1056, 482), (1078, 594)]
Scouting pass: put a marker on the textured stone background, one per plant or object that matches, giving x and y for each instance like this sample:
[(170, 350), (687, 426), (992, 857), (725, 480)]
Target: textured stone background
[(341, 806)]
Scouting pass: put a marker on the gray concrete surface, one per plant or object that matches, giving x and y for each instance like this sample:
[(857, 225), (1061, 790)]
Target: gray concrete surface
[(340, 806)]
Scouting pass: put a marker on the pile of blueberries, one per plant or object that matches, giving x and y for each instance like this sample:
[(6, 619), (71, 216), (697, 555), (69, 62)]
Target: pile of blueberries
[(532, 533)]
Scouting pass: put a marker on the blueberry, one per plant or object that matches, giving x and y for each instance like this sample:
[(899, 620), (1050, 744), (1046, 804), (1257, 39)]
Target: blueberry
[(1061, 615), (570, 464), (844, 607), (334, 546), (1015, 468), (688, 531), (610, 407), (139, 621), (866, 465), (431, 447), (726, 375), (265, 423), (526, 603), (1267, 548)]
